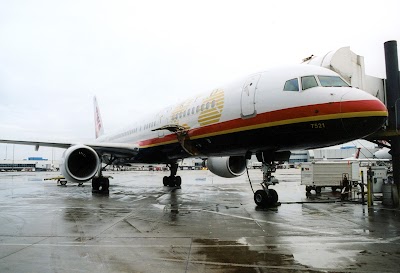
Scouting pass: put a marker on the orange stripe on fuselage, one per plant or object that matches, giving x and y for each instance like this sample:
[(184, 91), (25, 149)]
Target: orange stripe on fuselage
[(292, 115)]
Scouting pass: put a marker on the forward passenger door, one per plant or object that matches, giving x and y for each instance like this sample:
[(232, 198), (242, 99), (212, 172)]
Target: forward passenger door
[(248, 96)]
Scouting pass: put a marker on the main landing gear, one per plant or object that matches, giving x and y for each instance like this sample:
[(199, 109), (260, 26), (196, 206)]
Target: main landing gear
[(101, 184), (172, 180), (267, 197)]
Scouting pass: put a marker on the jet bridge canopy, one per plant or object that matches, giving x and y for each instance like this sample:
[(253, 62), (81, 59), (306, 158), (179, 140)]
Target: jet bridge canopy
[(352, 68)]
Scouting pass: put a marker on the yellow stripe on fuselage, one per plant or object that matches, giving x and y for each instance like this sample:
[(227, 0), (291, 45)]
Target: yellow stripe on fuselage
[(282, 122)]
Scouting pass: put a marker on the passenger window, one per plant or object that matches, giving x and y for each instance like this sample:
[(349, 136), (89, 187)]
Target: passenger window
[(213, 104), (291, 85), (308, 82), (332, 81)]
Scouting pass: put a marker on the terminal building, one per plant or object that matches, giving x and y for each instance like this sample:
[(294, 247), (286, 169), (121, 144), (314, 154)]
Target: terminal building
[(30, 164)]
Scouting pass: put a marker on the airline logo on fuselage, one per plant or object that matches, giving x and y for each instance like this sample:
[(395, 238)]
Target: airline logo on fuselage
[(208, 109), (212, 110)]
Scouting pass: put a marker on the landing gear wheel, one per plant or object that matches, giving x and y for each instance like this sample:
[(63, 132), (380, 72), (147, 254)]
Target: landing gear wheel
[(318, 190), (272, 197), (100, 185), (63, 182), (165, 180), (308, 189), (95, 184), (105, 184), (261, 198), (172, 180), (178, 181)]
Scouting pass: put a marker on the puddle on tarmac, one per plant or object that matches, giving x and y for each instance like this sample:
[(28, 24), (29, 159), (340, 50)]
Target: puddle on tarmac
[(239, 256)]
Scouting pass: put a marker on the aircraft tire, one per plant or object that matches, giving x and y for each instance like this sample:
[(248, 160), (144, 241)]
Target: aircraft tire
[(165, 181), (273, 197), (261, 198), (171, 181), (178, 181), (100, 185), (105, 185), (95, 184)]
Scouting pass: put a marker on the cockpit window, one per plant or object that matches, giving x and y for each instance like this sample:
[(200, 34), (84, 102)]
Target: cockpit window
[(308, 82), (332, 81), (291, 85)]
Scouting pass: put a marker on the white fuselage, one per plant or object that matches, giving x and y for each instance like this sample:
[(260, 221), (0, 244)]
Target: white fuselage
[(255, 102)]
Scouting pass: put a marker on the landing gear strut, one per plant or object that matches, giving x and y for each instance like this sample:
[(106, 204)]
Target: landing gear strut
[(101, 184), (172, 180), (267, 197)]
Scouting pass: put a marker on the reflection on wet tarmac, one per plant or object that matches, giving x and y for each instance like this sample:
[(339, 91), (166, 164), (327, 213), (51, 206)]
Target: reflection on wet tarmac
[(210, 224), (242, 257)]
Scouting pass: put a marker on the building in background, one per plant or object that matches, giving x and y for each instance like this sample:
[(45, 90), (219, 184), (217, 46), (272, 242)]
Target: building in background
[(30, 164)]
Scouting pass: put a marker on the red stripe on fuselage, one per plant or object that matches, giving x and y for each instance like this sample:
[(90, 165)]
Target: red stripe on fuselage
[(307, 111)]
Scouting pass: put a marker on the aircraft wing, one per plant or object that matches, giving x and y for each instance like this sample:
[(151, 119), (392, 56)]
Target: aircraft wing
[(118, 149)]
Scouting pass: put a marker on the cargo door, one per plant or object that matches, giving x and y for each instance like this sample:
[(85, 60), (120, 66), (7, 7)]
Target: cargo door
[(248, 96)]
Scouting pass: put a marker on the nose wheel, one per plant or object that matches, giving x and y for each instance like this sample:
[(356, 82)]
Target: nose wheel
[(264, 198), (267, 197), (173, 180)]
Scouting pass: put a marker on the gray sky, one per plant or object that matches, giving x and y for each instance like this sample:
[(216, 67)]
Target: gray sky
[(139, 56)]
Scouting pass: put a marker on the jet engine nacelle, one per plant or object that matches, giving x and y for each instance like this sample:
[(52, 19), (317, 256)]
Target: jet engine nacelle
[(79, 163), (228, 166)]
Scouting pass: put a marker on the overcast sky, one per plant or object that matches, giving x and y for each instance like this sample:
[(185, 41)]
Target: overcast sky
[(139, 56)]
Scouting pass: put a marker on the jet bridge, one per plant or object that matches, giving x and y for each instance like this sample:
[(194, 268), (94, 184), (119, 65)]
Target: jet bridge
[(352, 68)]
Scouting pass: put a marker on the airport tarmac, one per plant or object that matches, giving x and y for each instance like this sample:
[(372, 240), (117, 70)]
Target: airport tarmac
[(211, 224)]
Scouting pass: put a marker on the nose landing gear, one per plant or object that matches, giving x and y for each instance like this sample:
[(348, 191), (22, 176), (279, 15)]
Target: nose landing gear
[(267, 197), (172, 180)]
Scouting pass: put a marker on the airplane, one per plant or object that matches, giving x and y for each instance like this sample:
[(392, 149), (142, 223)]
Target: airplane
[(383, 154), (369, 160), (266, 114), (355, 156)]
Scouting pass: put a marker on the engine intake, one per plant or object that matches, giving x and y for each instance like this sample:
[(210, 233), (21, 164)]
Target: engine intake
[(228, 166), (79, 163)]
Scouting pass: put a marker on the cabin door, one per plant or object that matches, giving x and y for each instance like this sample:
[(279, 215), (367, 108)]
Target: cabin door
[(248, 96)]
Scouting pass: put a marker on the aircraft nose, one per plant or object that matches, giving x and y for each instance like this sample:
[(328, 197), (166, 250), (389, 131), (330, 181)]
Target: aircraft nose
[(362, 114)]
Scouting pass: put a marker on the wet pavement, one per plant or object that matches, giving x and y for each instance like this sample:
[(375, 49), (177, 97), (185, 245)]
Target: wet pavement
[(211, 224)]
